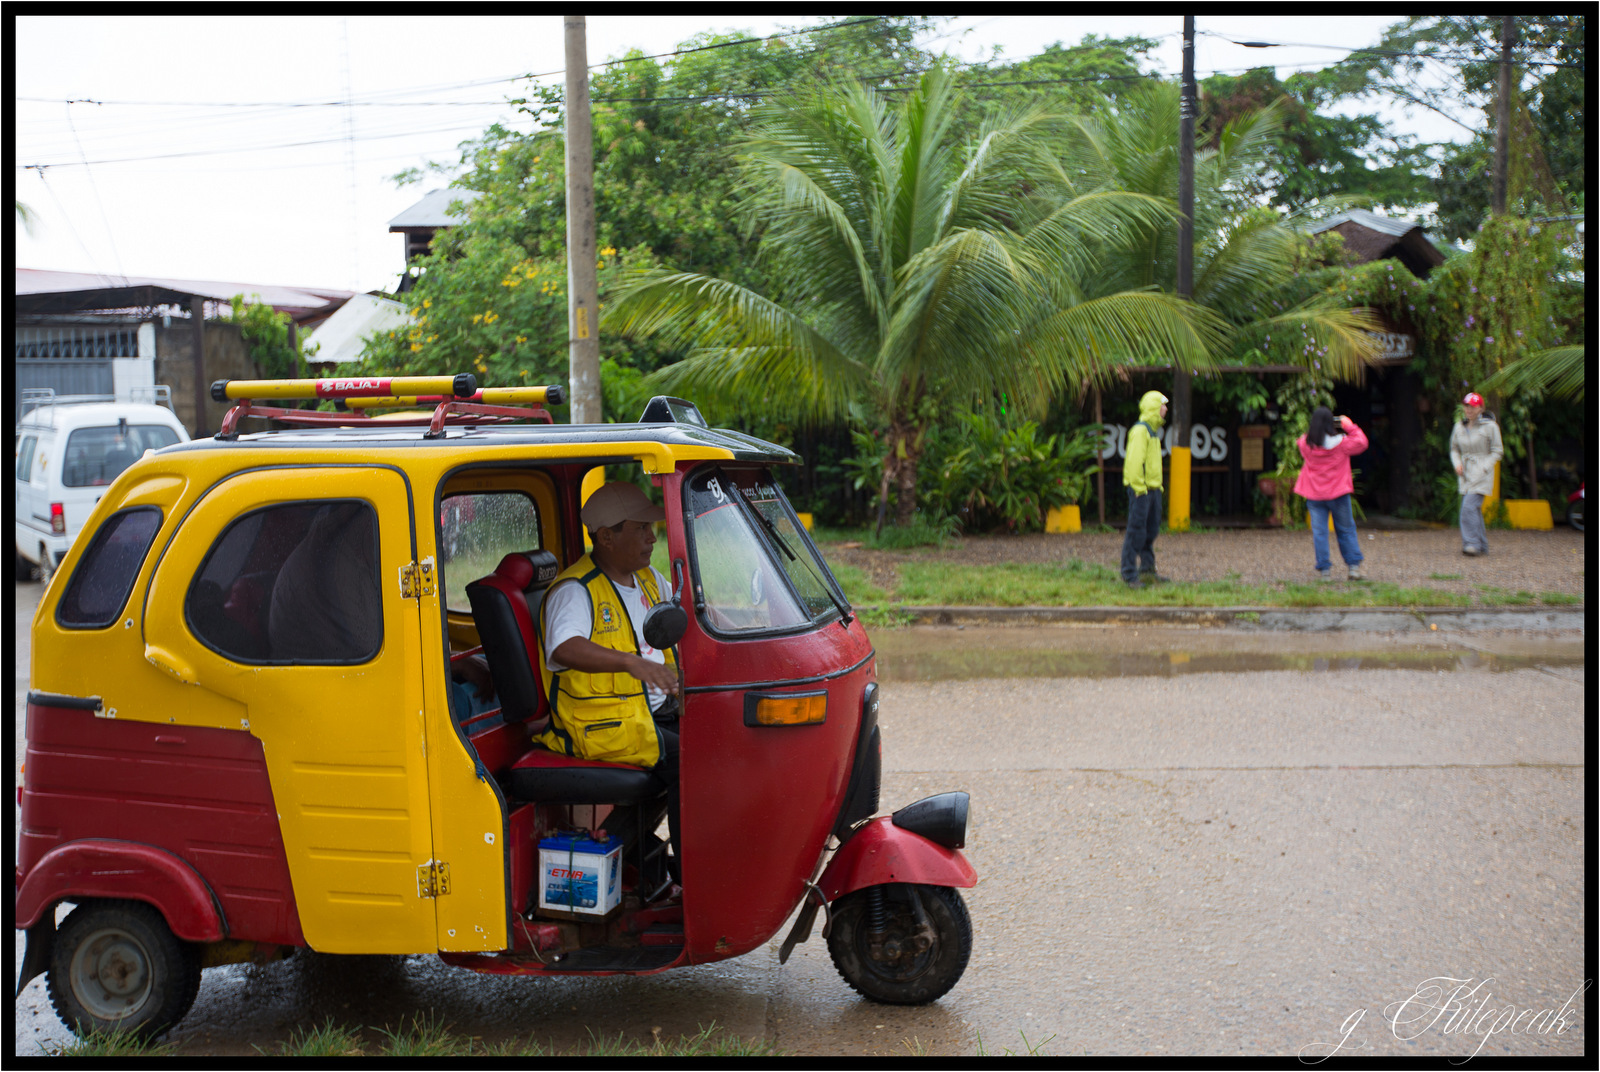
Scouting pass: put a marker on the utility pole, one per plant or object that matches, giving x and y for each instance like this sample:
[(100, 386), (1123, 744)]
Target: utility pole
[(583, 284), (1185, 282), (1502, 125), (197, 320)]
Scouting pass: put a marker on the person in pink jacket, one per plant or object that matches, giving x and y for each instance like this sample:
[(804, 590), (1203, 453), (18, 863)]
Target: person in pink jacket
[(1326, 486)]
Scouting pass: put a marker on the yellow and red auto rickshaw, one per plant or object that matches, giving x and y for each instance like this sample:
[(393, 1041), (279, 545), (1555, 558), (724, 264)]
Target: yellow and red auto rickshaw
[(244, 736)]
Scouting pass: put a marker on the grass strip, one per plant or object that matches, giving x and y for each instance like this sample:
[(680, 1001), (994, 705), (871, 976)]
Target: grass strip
[(424, 1035), (1077, 583)]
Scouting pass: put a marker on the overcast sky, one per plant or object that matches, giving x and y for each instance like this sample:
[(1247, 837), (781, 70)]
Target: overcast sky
[(223, 148)]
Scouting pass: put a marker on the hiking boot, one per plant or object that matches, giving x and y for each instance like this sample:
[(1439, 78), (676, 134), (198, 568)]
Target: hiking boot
[(1471, 551), (1152, 577), (1135, 583), (1356, 574), (1324, 575)]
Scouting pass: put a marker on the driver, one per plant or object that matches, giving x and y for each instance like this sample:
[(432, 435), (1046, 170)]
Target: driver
[(613, 697)]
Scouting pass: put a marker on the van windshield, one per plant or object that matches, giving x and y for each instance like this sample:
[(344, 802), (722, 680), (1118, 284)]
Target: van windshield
[(97, 456), (755, 568)]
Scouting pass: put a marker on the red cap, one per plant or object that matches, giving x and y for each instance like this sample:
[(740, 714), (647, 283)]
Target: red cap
[(1473, 399)]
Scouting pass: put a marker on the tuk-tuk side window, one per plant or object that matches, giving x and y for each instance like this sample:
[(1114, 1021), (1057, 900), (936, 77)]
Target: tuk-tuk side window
[(292, 583), (104, 577), (478, 529), (97, 456), (737, 557)]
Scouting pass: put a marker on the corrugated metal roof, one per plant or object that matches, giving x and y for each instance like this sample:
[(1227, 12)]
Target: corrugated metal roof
[(38, 281), (433, 210), (1362, 217)]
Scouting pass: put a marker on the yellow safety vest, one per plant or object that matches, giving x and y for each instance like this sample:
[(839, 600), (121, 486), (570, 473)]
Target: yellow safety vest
[(601, 716)]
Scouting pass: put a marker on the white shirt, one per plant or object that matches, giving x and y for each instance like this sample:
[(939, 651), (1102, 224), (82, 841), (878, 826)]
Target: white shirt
[(568, 613)]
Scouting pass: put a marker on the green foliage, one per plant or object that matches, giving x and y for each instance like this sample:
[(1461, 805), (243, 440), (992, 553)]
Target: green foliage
[(482, 306), (1321, 154), (97, 1043), (925, 529), (424, 1035), (491, 296), (1548, 136), (1246, 262), (266, 335), (911, 273), (329, 1039), (998, 474)]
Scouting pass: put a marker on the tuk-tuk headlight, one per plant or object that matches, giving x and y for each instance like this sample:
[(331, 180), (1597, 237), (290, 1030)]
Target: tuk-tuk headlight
[(942, 819)]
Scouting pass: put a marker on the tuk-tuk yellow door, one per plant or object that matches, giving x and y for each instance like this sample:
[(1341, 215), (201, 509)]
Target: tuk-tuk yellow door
[(286, 601)]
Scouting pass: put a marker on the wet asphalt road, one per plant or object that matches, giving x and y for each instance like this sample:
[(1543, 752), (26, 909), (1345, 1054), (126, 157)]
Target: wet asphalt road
[(1248, 859)]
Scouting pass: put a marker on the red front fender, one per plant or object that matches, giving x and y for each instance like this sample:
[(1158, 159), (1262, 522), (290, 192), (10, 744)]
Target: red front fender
[(89, 869), (882, 852)]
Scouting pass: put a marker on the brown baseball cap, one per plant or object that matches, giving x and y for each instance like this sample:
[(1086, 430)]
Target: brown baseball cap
[(617, 502)]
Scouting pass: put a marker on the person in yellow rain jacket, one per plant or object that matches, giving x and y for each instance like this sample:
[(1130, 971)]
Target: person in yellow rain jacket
[(1141, 475), (613, 697)]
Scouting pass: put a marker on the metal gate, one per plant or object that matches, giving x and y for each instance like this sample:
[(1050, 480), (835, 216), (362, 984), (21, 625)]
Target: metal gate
[(70, 359)]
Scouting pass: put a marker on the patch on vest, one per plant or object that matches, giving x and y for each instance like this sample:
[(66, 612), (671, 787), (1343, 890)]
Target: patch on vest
[(607, 619)]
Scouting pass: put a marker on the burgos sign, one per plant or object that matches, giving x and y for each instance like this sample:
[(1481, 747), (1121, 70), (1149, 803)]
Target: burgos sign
[(1204, 443)]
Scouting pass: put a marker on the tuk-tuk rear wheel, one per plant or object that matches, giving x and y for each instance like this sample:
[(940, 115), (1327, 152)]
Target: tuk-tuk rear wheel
[(116, 966), (887, 954)]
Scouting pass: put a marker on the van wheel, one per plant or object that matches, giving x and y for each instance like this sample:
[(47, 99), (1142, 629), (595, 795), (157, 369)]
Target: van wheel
[(887, 953), (116, 966), (47, 568)]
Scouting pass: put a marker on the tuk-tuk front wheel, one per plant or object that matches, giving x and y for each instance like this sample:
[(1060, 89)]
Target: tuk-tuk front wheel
[(116, 966), (901, 944)]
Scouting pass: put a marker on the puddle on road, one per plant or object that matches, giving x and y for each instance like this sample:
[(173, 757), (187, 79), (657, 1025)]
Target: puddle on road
[(951, 665)]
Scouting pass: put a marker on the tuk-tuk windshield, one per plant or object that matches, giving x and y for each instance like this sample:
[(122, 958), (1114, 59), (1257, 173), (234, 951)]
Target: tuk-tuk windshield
[(755, 569)]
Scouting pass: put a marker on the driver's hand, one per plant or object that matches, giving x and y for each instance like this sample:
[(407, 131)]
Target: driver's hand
[(657, 675)]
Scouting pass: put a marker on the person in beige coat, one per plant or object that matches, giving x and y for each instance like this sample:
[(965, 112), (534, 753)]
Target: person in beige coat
[(1474, 449)]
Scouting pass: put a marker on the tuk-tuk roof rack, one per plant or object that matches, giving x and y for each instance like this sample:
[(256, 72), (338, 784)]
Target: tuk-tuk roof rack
[(456, 400)]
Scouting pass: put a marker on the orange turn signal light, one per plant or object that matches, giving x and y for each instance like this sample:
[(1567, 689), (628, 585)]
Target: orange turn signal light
[(785, 709)]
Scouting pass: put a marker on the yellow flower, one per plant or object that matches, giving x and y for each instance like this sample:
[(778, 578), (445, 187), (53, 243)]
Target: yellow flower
[(522, 338), (608, 252), (524, 373), (476, 317), (427, 303)]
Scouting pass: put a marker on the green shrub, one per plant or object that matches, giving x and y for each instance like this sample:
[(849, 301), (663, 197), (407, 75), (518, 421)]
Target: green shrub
[(998, 475)]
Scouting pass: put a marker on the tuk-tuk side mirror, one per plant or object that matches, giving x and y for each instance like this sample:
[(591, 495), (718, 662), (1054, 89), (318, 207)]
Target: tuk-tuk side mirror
[(664, 625)]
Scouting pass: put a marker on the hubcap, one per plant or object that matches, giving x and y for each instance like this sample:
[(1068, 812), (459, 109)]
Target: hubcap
[(111, 974)]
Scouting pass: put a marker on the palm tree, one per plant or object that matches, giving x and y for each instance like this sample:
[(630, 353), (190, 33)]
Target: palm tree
[(913, 274), (1242, 253), (1558, 371)]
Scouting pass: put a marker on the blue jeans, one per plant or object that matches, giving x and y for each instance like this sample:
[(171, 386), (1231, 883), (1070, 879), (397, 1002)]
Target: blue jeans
[(1344, 526), (1138, 542)]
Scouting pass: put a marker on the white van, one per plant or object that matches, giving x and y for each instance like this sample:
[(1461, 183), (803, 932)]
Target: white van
[(69, 450)]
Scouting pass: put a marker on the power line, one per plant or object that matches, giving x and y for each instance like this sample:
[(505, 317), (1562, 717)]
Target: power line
[(1462, 57), (95, 188)]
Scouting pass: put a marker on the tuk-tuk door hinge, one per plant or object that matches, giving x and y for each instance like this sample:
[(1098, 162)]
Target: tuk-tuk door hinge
[(433, 879), (417, 579)]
